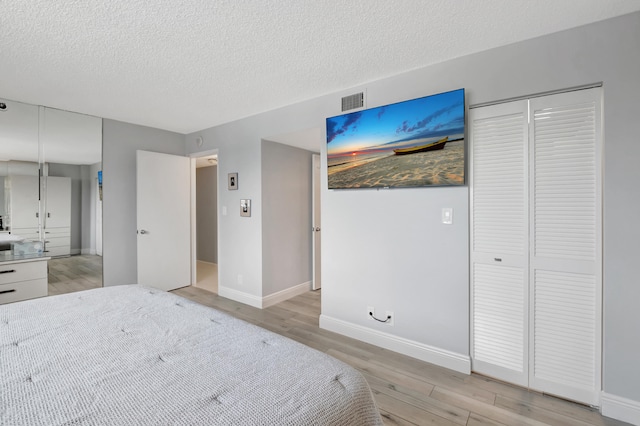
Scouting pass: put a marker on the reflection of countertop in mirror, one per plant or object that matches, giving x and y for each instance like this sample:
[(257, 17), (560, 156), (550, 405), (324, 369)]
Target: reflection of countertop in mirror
[(7, 256)]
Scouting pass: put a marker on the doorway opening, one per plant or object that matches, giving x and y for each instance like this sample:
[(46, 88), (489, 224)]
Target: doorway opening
[(205, 219)]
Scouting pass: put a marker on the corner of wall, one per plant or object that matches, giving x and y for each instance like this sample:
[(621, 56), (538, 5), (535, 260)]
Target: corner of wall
[(620, 408), (286, 294)]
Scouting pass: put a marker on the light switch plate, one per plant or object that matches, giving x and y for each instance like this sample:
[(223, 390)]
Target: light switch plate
[(447, 215), (245, 208)]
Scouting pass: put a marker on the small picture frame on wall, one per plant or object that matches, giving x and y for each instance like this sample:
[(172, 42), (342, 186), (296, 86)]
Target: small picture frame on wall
[(232, 182), (245, 208)]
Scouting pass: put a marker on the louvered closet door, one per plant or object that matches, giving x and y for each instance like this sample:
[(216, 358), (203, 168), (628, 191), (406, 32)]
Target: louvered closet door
[(499, 235), (565, 244)]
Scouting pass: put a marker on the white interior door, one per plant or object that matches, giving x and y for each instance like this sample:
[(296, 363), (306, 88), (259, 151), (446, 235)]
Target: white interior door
[(316, 223), (164, 220)]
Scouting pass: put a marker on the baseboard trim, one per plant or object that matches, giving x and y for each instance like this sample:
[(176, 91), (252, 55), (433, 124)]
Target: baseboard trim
[(239, 296), (285, 294), (619, 408), (441, 357), (264, 302), (86, 251)]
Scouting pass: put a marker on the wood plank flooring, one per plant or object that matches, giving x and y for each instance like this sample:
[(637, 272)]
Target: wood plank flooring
[(74, 273), (409, 391)]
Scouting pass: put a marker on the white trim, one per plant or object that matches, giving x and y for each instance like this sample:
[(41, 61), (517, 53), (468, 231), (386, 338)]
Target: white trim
[(87, 251), (264, 302), (285, 294), (239, 296), (74, 251), (193, 223), (441, 357), (620, 408)]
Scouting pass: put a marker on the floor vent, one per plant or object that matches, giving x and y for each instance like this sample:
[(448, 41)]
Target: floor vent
[(353, 101)]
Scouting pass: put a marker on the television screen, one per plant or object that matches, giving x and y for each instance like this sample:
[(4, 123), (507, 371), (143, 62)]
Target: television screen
[(414, 143)]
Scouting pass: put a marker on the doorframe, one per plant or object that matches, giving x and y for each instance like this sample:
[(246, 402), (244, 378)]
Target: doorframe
[(194, 258), (316, 206)]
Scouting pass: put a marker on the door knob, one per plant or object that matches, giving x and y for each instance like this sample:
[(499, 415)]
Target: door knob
[(318, 229), (142, 231)]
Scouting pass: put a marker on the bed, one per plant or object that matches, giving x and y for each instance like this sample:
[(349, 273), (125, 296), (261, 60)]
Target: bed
[(137, 355)]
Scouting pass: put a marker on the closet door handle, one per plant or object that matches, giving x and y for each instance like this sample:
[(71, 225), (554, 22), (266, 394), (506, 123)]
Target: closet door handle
[(7, 291), (8, 271)]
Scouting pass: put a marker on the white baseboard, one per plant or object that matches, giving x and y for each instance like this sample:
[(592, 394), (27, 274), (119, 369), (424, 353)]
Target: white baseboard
[(74, 251), (87, 251), (264, 302), (239, 296), (616, 407), (441, 357), (286, 294)]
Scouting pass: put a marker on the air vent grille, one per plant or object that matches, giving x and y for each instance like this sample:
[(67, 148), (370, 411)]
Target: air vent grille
[(353, 101)]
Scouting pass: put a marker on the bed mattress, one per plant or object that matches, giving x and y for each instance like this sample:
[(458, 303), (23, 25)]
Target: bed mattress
[(137, 355)]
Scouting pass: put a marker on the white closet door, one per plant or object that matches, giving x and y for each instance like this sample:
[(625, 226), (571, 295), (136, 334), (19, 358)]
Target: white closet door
[(499, 235), (565, 244), (24, 203), (58, 202)]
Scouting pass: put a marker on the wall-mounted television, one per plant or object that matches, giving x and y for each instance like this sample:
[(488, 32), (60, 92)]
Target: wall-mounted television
[(414, 143)]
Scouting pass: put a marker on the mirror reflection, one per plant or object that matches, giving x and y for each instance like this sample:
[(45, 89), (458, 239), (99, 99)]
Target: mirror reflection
[(50, 199)]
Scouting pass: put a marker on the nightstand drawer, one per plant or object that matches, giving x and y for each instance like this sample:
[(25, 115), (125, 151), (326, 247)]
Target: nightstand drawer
[(14, 292), (16, 272)]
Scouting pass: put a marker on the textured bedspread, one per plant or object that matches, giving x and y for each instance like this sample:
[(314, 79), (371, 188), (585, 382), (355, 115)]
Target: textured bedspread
[(131, 355)]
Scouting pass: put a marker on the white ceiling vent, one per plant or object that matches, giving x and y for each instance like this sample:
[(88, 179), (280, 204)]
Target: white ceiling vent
[(353, 101)]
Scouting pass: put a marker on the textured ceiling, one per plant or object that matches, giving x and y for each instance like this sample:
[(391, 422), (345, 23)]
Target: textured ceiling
[(185, 65)]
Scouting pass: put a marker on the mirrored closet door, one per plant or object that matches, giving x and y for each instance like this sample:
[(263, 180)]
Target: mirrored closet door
[(50, 162)]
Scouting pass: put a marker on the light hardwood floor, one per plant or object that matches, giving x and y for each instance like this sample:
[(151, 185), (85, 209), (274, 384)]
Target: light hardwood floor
[(74, 273), (409, 391)]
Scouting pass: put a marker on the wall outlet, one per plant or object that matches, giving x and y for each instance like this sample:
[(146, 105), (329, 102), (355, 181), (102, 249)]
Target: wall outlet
[(391, 320), (370, 311)]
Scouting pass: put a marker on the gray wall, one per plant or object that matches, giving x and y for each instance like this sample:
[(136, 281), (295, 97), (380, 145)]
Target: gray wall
[(119, 144), (388, 249), (286, 217), (207, 214), (239, 238)]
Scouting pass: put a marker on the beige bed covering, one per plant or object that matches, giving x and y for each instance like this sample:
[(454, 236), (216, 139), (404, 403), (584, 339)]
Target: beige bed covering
[(135, 355)]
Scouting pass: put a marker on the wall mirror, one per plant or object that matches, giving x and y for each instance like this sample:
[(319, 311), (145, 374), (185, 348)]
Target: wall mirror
[(50, 161)]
